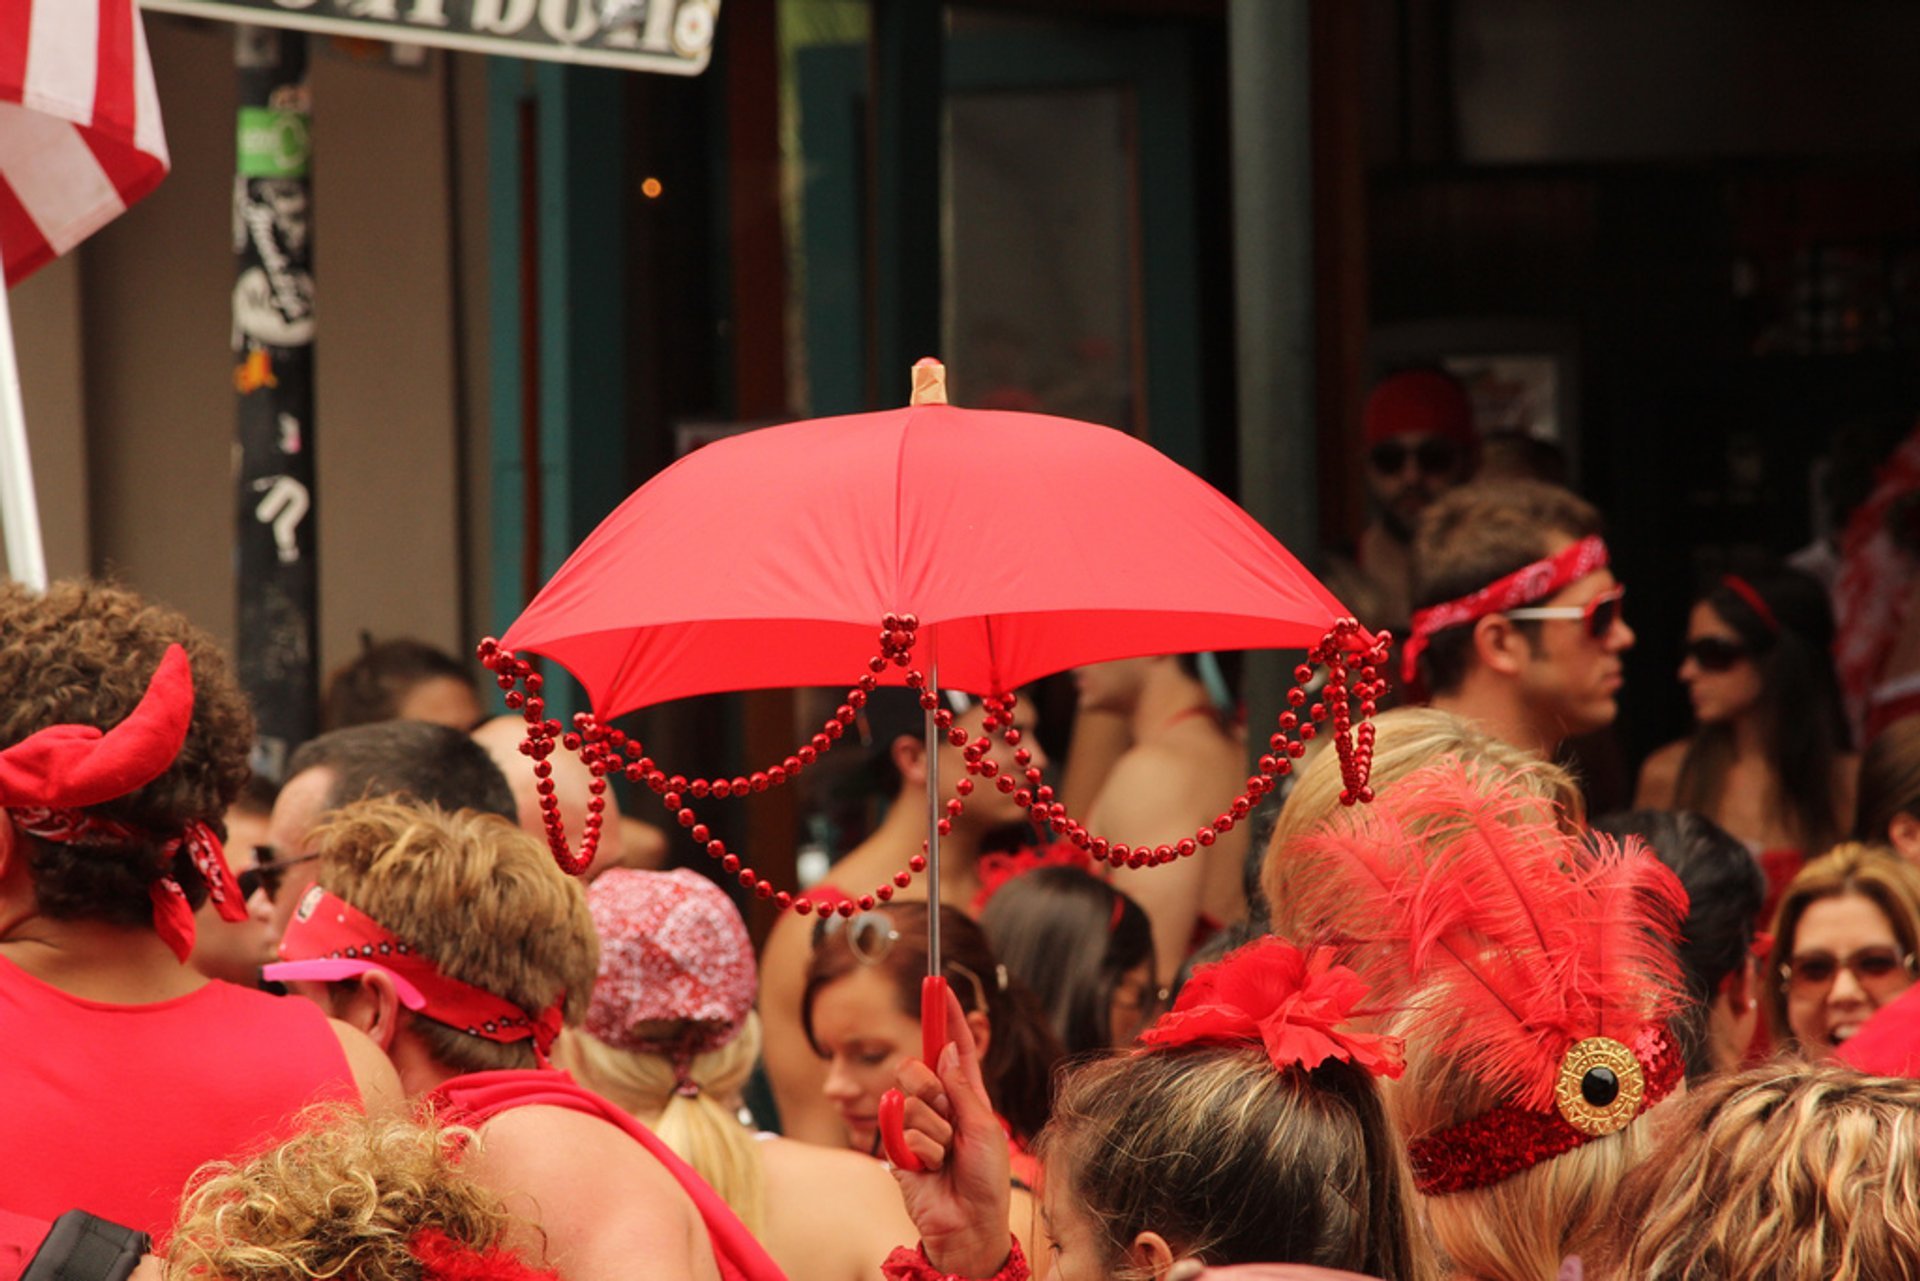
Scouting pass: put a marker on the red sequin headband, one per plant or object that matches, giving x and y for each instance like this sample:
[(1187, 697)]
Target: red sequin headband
[(1603, 1085), (48, 777), (1745, 591), (1292, 1004), (330, 939), (1529, 583)]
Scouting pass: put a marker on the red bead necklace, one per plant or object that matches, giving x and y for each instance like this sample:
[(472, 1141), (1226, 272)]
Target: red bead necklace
[(607, 751)]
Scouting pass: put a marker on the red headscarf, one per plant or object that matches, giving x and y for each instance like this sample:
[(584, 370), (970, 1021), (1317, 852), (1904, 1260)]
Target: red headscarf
[(48, 778)]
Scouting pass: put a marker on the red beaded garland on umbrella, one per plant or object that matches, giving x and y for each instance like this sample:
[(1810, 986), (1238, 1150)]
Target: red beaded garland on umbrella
[(607, 751)]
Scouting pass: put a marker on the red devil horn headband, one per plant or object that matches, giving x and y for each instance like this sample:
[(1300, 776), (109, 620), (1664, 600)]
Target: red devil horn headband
[(72, 766)]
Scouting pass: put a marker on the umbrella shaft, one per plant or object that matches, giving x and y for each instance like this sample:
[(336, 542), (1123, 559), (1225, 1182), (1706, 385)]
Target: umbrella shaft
[(933, 823)]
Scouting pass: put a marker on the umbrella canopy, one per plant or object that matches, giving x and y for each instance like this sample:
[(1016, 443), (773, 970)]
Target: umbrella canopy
[(1024, 544), (80, 136)]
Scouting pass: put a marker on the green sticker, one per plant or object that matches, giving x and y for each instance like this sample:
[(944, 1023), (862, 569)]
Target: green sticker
[(273, 144)]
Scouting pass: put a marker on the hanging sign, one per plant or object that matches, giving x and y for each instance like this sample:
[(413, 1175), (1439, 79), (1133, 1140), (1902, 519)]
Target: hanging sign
[(672, 36)]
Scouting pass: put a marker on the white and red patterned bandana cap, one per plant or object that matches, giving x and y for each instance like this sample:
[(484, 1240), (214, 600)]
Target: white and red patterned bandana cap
[(672, 948)]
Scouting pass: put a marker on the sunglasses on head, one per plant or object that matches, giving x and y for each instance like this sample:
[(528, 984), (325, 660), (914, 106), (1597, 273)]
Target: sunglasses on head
[(1872, 968), (268, 872), (1599, 614), (1715, 653), (1433, 456), (871, 936)]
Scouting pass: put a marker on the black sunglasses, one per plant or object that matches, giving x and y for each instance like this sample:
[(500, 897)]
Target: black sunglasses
[(1715, 653), (1433, 456), (268, 872)]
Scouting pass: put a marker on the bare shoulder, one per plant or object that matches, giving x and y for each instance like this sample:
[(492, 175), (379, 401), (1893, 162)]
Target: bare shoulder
[(554, 1148), (373, 1073), (831, 1212), (1660, 776), (593, 1200)]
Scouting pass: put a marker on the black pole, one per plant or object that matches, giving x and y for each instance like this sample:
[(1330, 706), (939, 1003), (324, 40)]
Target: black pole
[(277, 636)]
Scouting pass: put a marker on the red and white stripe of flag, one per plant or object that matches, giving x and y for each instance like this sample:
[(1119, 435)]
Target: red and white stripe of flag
[(80, 135)]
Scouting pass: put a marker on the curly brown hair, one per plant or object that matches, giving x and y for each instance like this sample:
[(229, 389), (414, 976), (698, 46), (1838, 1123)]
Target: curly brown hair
[(82, 653), (346, 1197)]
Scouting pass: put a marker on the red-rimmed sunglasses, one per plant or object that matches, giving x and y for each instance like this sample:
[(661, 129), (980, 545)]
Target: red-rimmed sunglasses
[(1599, 614)]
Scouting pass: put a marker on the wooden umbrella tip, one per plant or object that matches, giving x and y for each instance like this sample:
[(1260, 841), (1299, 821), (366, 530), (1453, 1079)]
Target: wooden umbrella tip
[(929, 382)]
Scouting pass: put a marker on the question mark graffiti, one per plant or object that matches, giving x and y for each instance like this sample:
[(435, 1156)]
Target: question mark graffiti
[(284, 507)]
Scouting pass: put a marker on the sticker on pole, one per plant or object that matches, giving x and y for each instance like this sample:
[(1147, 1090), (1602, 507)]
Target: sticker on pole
[(273, 143), (670, 36)]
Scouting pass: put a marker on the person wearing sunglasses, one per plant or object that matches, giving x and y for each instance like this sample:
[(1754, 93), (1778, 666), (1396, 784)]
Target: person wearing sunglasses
[(1519, 624), (861, 1011), (1769, 758), (1844, 944), (1418, 426)]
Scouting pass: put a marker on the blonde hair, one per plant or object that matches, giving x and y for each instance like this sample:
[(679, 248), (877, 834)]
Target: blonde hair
[(1407, 739), (703, 1129), (1520, 1228), (479, 898), (1235, 1161), (1872, 872), (345, 1197), (1782, 1172)]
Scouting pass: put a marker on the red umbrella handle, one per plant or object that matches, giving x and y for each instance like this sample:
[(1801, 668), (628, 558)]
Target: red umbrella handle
[(933, 1039)]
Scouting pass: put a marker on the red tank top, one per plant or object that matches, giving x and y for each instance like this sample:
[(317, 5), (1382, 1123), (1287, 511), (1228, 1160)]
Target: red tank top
[(109, 1108), (478, 1097)]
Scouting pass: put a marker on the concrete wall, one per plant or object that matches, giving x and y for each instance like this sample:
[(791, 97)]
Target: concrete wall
[(128, 375)]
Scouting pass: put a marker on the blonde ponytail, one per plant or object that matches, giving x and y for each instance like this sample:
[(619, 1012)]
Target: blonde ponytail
[(700, 1126)]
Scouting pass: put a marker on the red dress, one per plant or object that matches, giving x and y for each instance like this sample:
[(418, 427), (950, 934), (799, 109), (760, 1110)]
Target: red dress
[(109, 1108), (478, 1097)]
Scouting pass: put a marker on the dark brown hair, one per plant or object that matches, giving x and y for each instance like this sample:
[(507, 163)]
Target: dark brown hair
[(1475, 535), (372, 686), (1021, 1050), (83, 654), (1233, 1161), (1889, 780)]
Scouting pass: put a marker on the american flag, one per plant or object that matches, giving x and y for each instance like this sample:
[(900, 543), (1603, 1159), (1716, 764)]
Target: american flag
[(80, 136)]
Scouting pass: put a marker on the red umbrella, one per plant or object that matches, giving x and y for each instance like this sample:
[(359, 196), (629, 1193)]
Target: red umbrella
[(993, 547), (1024, 545)]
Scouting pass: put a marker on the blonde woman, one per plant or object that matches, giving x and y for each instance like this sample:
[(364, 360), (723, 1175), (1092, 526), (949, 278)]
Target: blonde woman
[(672, 1038), (1783, 1172)]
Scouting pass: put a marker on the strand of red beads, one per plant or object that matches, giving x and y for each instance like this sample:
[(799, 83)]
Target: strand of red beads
[(606, 751)]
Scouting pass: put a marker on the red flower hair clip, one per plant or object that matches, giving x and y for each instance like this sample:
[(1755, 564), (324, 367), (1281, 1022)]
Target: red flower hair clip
[(1290, 1003)]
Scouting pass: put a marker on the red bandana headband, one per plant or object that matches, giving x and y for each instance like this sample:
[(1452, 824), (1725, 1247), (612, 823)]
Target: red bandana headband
[(1754, 601), (48, 778), (1524, 586), (1603, 1085), (330, 939)]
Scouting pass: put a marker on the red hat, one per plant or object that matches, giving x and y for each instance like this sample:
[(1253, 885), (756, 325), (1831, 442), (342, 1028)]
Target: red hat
[(672, 948), (1417, 402)]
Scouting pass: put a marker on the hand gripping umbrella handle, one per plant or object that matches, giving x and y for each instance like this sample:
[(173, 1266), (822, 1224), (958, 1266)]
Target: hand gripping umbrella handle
[(933, 1039)]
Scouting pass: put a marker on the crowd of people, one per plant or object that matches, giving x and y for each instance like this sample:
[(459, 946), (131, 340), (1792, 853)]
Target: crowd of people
[(358, 1023)]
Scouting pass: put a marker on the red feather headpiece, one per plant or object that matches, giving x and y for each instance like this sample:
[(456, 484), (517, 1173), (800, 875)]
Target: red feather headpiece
[(1541, 961)]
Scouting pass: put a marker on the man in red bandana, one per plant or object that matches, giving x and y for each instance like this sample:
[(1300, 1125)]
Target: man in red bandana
[(123, 738), (1517, 621), (457, 945)]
